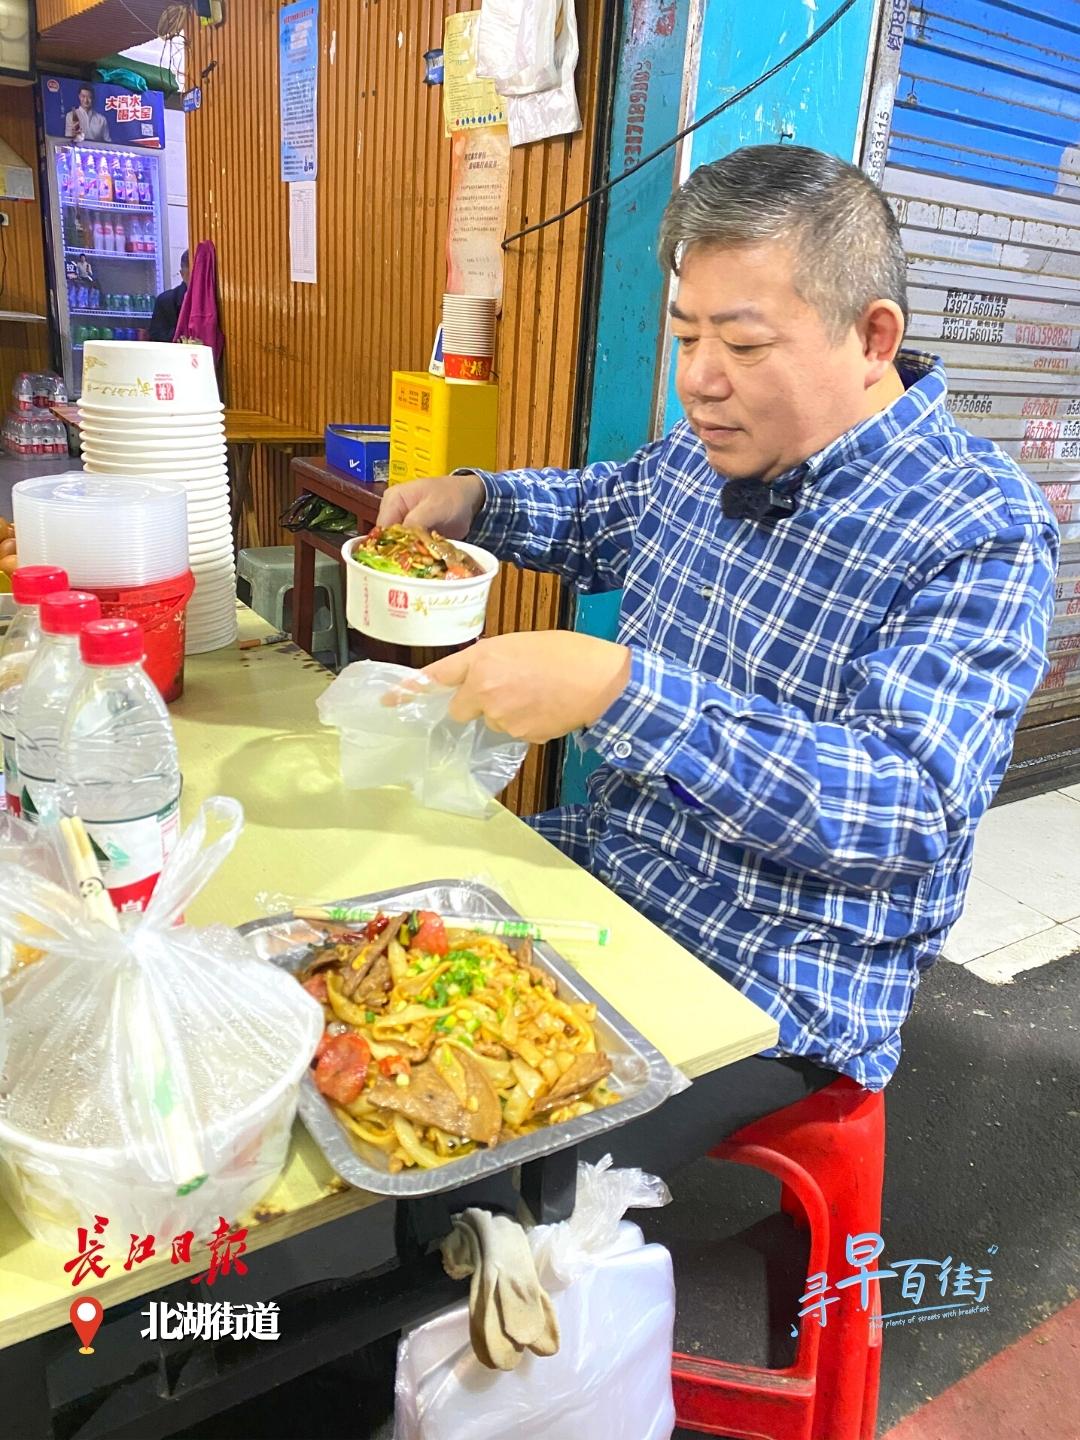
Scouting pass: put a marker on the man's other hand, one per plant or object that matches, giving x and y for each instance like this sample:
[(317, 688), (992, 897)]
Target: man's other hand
[(537, 685), (448, 504)]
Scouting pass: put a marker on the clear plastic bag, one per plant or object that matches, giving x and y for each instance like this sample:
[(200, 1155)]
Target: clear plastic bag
[(152, 1074), (614, 1297), (457, 768)]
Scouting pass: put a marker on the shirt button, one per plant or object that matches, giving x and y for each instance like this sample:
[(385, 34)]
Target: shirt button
[(622, 749), (707, 592)]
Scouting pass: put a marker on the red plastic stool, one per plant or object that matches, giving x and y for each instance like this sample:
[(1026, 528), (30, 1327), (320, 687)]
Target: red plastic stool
[(828, 1152)]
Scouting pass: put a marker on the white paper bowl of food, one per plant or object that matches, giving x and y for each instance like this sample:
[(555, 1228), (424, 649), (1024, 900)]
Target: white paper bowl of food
[(407, 606)]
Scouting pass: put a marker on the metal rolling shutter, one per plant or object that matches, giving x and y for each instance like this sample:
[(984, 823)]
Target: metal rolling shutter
[(983, 167)]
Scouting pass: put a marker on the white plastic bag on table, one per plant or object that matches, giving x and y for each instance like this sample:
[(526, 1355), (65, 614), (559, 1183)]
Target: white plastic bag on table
[(34, 847), (152, 1074), (611, 1378), (447, 766)]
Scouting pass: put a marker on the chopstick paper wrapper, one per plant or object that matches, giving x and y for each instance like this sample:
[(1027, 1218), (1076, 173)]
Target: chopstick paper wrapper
[(185, 1161), (550, 930)]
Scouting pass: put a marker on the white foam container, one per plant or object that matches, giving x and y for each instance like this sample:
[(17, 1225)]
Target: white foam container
[(404, 611)]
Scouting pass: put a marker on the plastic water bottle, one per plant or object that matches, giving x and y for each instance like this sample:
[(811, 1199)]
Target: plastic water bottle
[(117, 767), (29, 585), (51, 680)]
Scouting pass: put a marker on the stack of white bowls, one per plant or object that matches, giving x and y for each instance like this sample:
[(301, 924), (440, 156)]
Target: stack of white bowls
[(153, 410), (468, 338)]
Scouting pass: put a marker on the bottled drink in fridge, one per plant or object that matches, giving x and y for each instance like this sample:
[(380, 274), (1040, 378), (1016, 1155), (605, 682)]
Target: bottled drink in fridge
[(78, 180), (131, 188), (117, 766), (51, 680), (142, 183), (30, 584), (99, 235)]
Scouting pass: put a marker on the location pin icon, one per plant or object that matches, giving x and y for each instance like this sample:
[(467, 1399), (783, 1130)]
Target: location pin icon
[(86, 1316)]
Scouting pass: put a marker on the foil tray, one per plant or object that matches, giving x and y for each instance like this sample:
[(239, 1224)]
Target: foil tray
[(644, 1078)]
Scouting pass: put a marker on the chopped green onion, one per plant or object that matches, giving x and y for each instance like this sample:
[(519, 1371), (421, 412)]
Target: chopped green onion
[(369, 1017)]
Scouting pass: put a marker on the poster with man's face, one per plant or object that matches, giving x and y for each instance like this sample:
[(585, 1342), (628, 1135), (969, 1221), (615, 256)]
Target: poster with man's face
[(91, 114)]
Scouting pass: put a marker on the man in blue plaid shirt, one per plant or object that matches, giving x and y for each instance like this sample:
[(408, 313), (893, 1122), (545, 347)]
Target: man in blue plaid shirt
[(835, 606)]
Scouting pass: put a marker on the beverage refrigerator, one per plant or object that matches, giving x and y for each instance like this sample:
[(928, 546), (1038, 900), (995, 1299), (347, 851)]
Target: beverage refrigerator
[(106, 224)]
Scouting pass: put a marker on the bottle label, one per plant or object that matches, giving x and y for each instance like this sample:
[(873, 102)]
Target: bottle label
[(132, 853), (11, 776), (37, 802)]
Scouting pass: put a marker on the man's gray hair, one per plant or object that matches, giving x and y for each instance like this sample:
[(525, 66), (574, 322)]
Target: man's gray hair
[(843, 236)]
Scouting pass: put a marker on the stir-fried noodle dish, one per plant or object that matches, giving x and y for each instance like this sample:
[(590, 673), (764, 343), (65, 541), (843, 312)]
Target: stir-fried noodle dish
[(442, 1040)]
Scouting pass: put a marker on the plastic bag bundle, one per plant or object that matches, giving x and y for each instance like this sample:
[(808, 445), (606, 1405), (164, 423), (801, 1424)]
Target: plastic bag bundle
[(614, 1298), (458, 768), (152, 1074)]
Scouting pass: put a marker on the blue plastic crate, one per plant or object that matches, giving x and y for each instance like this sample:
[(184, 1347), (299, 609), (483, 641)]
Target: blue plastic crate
[(360, 452)]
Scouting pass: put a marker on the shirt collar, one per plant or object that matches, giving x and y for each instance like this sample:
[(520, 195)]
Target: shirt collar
[(925, 391)]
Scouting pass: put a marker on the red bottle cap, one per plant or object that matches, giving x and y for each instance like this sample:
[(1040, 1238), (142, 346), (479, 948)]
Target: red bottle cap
[(31, 583), (68, 611), (112, 642)]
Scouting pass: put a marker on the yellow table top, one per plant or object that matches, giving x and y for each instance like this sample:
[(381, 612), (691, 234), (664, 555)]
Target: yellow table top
[(247, 726)]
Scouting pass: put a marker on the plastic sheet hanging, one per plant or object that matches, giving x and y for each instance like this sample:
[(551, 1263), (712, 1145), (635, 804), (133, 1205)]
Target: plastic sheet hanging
[(614, 1298)]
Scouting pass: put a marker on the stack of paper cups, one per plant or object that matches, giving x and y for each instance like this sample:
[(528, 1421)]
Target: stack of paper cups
[(468, 337), (153, 410)]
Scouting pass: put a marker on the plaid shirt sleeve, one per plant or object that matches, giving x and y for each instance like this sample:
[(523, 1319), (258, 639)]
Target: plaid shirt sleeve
[(577, 524), (875, 794)]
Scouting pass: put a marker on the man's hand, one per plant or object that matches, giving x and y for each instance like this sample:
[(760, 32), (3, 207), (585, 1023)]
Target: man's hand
[(535, 685), (448, 504)]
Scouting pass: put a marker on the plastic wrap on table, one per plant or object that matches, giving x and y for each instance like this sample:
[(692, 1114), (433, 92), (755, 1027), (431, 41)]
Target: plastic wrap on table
[(414, 743), (641, 1074), (614, 1299), (152, 1072)]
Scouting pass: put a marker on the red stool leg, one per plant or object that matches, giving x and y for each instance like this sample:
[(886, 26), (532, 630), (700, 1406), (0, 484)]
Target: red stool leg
[(828, 1153)]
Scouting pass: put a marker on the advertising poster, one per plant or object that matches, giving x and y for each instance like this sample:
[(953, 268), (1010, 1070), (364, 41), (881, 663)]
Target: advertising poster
[(94, 114), (298, 40)]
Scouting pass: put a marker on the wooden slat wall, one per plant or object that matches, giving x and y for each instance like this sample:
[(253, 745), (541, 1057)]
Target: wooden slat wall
[(22, 254), (52, 12), (314, 354)]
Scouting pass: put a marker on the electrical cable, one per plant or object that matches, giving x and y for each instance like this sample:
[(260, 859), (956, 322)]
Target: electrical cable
[(811, 40)]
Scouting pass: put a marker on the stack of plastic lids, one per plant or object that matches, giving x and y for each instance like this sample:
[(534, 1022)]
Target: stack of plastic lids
[(104, 530), (153, 410)]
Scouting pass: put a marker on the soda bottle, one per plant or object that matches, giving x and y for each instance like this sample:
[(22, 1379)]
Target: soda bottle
[(142, 183), (110, 236), (131, 187), (51, 680), (78, 180), (105, 190), (117, 766), (117, 181), (30, 584), (99, 235)]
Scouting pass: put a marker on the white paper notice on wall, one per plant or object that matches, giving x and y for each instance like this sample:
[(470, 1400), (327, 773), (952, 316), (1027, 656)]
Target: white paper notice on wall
[(302, 248)]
